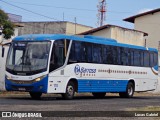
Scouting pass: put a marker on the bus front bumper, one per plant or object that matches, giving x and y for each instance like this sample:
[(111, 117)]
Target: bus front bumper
[(27, 86)]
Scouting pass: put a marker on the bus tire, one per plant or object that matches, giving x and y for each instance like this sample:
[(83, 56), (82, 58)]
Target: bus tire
[(129, 91), (35, 95), (70, 91), (99, 95)]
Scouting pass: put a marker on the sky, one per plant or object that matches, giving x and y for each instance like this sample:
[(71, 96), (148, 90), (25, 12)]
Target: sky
[(85, 11)]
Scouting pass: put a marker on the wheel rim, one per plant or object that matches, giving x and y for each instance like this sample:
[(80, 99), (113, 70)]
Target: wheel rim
[(70, 90), (130, 90)]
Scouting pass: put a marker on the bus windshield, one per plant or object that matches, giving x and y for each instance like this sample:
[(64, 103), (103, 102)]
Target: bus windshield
[(27, 58)]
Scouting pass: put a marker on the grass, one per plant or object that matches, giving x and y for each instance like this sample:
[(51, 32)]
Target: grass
[(148, 108)]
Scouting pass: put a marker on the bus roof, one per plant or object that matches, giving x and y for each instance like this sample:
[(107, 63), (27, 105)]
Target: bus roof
[(86, 38)]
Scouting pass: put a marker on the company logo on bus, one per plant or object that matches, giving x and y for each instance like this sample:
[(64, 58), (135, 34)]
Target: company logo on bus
[(79, 70)]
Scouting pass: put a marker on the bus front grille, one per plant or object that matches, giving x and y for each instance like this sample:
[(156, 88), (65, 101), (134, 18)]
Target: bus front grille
[(22, 82), (22, 88)]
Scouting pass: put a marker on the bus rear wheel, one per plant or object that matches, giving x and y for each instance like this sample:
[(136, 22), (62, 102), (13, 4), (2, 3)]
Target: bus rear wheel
[(35, 95), (129, 91), (70, 91), (99, 95)]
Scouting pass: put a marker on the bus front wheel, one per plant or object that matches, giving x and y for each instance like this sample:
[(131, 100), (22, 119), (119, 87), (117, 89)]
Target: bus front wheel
[(129, 91), (99, 95), (70, 91), (35, 95)]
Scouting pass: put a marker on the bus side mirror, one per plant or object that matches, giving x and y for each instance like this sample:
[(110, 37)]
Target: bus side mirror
[(3, 50)]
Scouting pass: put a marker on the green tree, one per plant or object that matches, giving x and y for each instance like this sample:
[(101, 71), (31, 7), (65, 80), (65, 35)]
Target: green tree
[(6, 25)]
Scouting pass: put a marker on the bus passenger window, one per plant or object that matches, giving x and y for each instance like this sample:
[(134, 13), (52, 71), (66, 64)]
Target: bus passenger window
[(118, 56), (83, 52), (77, 53), (89, 52), (104, 55), (132, 57), (155, 59), (146, 59), (109, 55), (129, 57), (58, 54), (124, 56), (142, 58), (114, 52), (97, 56), (136, 58), (151, 60)]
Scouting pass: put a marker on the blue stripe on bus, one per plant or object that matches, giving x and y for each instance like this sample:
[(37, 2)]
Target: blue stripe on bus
[(102, 85), (156, 67), (105, 41)]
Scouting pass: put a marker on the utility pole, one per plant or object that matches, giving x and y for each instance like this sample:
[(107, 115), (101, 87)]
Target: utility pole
[(63, 16), (101, 12), (75, 20)]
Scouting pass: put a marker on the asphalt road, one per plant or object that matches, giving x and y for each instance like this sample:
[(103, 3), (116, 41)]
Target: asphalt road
[(79, 103)]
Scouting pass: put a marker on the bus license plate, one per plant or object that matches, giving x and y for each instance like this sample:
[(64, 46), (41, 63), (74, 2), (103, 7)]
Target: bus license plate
[(22, 89)]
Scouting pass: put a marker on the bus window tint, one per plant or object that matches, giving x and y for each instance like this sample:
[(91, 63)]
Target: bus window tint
[(155, 59), (132, 57), (151, 60), (109, 55), (104, 55), (78, 52), (146, 59), (96, 55), (136, 58), (124, 56), (58, 54), (83, 52), (114, 52), (118, 55), (129, 57), (89, 52), (142, 58)]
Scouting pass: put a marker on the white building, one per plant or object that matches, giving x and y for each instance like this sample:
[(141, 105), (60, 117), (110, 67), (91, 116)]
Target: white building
[(3, 59), (149, 22)]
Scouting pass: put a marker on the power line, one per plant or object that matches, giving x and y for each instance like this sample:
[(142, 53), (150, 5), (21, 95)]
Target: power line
[(54, 6), (90, 10), (32, 12), (28, 10)]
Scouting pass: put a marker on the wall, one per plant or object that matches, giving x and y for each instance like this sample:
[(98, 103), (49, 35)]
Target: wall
[(122, 35), (127, 36), (42, 28), (2, 67), (72, 28), (103, 33), (150, 24), (51, 28), (3, 59)]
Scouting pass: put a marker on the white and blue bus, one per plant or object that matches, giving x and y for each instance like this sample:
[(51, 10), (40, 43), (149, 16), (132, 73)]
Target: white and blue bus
[(67, 64)]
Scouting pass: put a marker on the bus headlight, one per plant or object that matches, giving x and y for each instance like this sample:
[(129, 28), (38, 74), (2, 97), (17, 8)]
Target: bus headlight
[(39, 78), (8, 78)]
